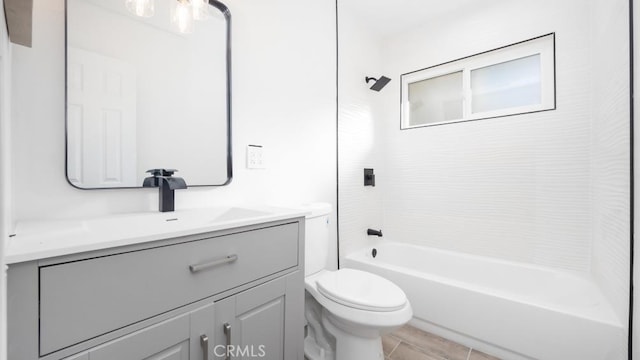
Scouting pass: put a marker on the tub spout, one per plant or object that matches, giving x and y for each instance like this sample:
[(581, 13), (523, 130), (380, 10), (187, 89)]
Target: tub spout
[(374, 232)]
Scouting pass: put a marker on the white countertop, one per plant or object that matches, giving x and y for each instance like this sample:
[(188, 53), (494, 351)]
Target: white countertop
[(35, 240)]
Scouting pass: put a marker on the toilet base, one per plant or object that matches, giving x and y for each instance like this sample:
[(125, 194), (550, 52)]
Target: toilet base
[(350, 346), (318, 345), (314, 352)]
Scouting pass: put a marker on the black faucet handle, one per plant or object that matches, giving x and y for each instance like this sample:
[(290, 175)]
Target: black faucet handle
[(151, 181), (162, 172), (162, 179), (155, 172)]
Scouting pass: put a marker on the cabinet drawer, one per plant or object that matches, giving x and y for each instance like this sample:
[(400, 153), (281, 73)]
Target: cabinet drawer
[(83, 299)]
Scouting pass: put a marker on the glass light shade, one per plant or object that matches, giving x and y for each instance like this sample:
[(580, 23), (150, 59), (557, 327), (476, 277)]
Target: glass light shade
[(200, 9), (182, 16), (142, 8)]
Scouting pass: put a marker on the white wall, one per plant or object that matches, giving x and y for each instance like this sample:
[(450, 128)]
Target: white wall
[(610, 108), (5, 183), (283, 98)]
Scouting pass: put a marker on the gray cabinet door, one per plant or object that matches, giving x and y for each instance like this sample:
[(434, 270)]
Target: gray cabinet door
[(260, 314), (178, 338), (256, 322)]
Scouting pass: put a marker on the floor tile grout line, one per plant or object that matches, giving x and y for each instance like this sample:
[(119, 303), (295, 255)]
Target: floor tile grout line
[(425, 350), (394, 349)]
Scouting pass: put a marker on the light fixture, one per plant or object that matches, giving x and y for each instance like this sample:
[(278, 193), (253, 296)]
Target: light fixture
[(182, 16), (183, 12), (200, 8), (143, 8)]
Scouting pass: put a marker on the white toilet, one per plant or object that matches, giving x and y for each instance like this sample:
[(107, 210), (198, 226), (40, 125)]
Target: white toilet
[(347, 310)]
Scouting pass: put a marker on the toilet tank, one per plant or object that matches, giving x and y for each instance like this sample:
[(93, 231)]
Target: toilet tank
[(316, 234)]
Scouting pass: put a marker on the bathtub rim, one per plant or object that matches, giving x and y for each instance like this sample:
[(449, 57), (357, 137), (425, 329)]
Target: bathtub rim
[(604, 315)]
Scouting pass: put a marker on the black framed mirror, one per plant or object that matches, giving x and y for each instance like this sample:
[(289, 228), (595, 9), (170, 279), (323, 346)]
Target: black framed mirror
[(148, 87)]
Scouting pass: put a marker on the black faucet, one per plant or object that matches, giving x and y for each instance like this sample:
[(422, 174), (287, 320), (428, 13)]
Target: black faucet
[(164, 180), (374, 232)]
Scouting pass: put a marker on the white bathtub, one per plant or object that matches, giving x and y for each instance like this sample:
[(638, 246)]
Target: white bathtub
[(512, 310)]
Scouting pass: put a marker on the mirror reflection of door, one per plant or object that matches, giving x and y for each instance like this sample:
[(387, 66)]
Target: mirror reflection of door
[(101, 105), (142, 94)]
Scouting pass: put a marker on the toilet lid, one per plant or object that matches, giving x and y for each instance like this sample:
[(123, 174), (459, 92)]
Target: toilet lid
[(361, 290)]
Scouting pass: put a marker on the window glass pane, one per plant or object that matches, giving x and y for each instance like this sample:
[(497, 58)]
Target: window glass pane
[(436, 99), (509, 84)]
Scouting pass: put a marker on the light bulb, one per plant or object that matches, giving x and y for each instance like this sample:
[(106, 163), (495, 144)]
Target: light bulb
[(182, 16), (142, 8), (200, 8)]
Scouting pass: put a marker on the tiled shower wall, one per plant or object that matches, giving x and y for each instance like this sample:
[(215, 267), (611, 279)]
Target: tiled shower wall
[(610, 153), (359, 140), (549, 188), (516, 187)]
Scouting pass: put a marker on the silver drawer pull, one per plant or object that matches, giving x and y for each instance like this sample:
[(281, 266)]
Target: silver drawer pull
[(204, 342), (213, 263), (227, 331)]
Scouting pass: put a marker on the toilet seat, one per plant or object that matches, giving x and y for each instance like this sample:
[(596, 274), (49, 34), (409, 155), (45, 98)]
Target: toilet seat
[(360, 321), (361, 290)]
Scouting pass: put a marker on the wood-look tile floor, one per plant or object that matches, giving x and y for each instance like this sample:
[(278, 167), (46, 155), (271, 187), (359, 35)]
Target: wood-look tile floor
[(409, 343)]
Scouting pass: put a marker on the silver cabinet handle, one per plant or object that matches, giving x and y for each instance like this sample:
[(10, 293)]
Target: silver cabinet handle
[(227, 331), (213, 263), (204, 342)]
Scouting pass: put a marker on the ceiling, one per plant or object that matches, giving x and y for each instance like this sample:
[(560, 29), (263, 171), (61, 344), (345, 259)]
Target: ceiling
[(392, 17)]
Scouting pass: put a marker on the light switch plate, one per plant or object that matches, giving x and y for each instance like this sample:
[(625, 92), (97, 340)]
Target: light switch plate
[(255, 157)]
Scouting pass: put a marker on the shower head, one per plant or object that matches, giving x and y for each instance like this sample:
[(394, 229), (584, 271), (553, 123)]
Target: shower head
[(379, 83)]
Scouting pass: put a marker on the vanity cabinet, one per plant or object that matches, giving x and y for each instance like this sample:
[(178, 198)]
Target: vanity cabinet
[(254, 323), (190, 298), (179, 338)]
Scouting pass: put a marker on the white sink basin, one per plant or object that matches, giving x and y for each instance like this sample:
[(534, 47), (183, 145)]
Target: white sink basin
[(41, 239), (236, 213), (160, 222)]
